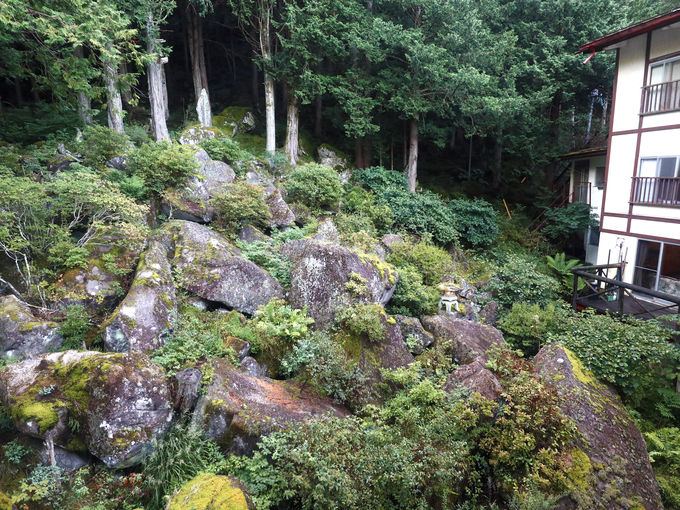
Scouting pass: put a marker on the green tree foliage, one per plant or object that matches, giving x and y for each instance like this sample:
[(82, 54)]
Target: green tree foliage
[(241, 204), (475, 220), (99, 144), (520, 280), (562, 222), (162, 165)]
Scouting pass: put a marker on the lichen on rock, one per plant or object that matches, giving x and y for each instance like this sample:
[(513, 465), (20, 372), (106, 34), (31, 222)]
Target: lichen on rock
[(212, 492), (22, 334)]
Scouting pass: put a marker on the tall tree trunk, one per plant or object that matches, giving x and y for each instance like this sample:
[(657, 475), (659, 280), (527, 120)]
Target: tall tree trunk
[(84, 104), (269, 91), (255, 87), (318, 118), (292, 121), (164, 88), (114, 103), (19, 96), (358, 153), (412, 165), (125, 93), (157, 97), (498, 162), (199, 74)]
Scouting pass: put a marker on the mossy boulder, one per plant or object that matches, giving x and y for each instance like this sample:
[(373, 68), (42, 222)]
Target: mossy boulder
[(209, 266), (145, 317), (237, 409), (411, 326), (212, 492), (192, 201), (320, 275), (336, 159), (22, 334), (467, 339), (193, 135), (618, 475), (281, 214), (234, 120), (477, 378), (112, 405)]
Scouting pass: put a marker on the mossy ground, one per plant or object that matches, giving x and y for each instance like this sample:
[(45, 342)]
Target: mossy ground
[(209, 492)]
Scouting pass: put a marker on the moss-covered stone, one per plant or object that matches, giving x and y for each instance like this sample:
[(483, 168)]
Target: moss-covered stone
[(5, 502), (212, 492), (22, 334)]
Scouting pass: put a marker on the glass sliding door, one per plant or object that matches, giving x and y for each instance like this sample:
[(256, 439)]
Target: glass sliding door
[(669, 273), (647, 264), (657, 267)]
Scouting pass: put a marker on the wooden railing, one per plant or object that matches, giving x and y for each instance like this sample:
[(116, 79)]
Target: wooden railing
[(656, 191), (611, 294), (661, 97)]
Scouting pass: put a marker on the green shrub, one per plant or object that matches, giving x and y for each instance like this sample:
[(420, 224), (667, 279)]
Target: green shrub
[(75, 326), (132, 185), (100, 143), (562, 222), (519, 280), (630, 353), (362, 205), (318, 360), (378, 179), (198, 336), (162, 165), (363, 320), (315, 186), (475, 220), (240, 204), (420, 213), (560, 267), (432, 262), (266, 255), (527, 327), (279, 327), (412, 297), (224, 149), (138, 133), (178, 457)]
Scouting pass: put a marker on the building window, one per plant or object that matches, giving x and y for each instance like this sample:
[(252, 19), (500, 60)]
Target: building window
[(662, 93), (657, 267), (658, 181), (599, 177), (594, 236)]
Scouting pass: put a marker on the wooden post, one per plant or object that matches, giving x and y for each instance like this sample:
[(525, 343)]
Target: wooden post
[(575, 295), (622, 292)]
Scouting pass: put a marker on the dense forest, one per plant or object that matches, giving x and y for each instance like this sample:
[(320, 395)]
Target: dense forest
[(281, 255)]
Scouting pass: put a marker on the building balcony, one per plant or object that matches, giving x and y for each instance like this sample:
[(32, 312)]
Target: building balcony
[(660, 191), (661, 97)]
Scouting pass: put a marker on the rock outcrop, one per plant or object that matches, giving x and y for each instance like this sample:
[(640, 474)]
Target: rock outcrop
[(281, 215), (468, 339), (477, 378), (193, 135), (237, 409), (212, 492), (112, 405), (320, 273), (211, 267), (412, 326), (617, 474), (145, 317), (22, 334), (192, 202)]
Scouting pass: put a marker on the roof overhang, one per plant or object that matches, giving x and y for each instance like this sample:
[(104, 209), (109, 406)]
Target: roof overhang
[(584, 153), (618, 38)]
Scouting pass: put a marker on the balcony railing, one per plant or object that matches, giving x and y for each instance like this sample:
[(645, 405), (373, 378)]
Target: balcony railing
[(661, 97), (663, 191)]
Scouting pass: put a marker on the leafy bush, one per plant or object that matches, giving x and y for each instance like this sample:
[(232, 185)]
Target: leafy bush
[(266, 255), (628, 353), (519, 280), (432, 262), (562, 222), (224, 149), (316, 186), (527, 327), (182, 454), (75, 326), (361, 205), (100, 143), (322, 362), (379, 179), (363, 319), (132, 185), (241, 204), (197, 336), (475, 220), (420, 213), (162, 165), (412, 297), (138, 133), (279, 327), (561, 268)]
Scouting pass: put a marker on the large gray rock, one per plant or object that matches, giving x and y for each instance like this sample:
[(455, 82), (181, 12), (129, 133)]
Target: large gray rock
[(412, 326), (468, 339), (281, 215), (320, 273), (192, 202), (193, 135), (203, 109), (210, 267), (238, 409), (145, 317), (22, 334), (618, 474), (477, 378), (120, 402)]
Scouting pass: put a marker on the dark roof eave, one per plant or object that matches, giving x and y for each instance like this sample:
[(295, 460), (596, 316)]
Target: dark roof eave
[(633, 30), (584, 153)]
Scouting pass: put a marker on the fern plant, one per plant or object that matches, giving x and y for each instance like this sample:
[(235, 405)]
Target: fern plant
[(664, 452), (562, 269)]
